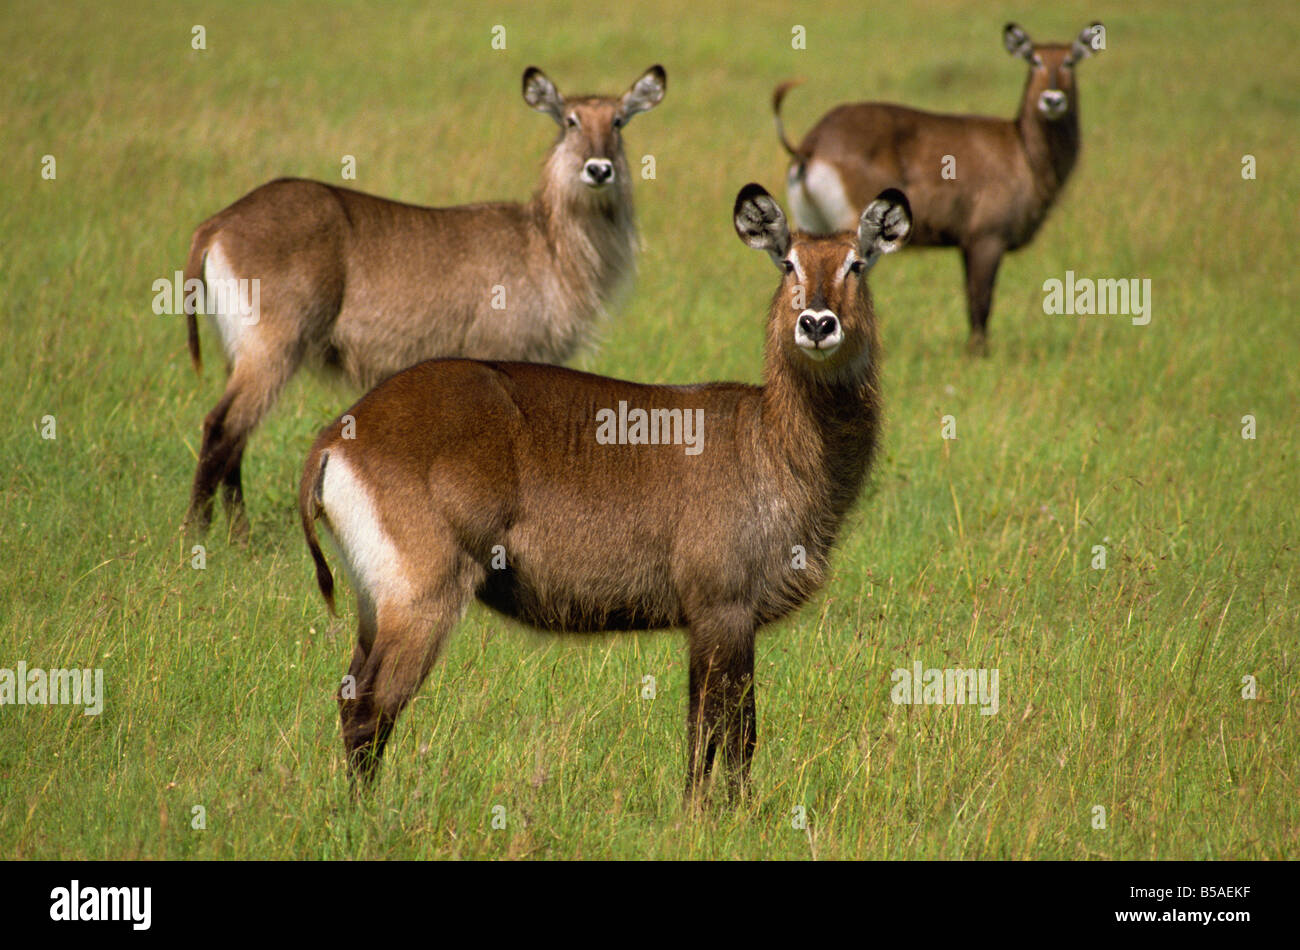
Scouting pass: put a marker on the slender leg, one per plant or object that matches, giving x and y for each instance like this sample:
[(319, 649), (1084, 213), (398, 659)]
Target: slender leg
[(232, 497), (250, 393), (397, 644), (721, 710), (212, 462), (352, 704), (406, 646), (981, 259)]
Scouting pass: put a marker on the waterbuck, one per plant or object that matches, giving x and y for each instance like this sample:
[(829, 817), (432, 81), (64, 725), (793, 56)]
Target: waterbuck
[(367, 286), (981, 184), (509, 482)]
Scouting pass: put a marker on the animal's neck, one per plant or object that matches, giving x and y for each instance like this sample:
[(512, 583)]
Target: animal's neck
[(592, 236), (1051, 147), (820, 436)]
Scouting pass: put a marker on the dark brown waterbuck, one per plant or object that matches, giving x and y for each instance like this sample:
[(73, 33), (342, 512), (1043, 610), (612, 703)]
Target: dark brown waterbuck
[(366, 286), (981, 184), (576, 502)]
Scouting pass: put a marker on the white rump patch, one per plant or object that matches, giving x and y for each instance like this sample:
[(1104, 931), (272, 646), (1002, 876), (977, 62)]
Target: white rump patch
[(802, 210), (371, 559), (823, 204), (227, 302)]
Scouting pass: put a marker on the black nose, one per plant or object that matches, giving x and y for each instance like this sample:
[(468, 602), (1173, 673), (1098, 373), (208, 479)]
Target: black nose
[(817, 330), (600, 171)]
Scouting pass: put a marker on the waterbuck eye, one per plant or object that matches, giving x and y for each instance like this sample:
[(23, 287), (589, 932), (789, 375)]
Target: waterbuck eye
[(618, 122), (858, 266), (571, 121), (787, 266)]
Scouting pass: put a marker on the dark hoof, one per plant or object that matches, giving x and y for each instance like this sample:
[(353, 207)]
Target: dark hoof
[(238, 530), (196, 523)]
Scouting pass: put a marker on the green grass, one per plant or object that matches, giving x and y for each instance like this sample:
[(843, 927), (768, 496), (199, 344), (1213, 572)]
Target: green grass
[(1119, 687)]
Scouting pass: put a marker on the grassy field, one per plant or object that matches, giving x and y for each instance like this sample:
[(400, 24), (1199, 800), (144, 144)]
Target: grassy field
[(1120, 687)]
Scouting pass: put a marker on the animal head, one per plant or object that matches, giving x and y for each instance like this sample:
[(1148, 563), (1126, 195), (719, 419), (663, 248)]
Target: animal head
[(822, 311), (1051, 76), (590, 146)]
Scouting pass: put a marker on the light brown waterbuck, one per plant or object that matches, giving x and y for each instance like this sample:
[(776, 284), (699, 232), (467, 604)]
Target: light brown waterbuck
[(538, 490), (367, 286), (984, 185)]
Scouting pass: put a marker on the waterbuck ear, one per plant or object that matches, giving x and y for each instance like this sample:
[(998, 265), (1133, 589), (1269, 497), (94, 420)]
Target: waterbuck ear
[(1017, 42), (646, 93), (885, 225), (760, 222), (541, 94), (1092, 40)]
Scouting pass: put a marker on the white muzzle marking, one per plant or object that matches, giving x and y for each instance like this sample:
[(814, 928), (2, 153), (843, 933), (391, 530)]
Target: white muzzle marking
[(1053, 103), (597, 172), (818, 349)]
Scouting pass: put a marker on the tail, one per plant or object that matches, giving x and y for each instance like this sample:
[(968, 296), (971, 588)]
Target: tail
[(309, 506), (778, 96), (194, 271)]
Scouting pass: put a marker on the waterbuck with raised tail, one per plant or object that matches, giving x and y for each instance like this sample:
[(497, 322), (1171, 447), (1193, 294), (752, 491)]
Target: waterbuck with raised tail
[(367, 286), (984, 185), (575, 502)]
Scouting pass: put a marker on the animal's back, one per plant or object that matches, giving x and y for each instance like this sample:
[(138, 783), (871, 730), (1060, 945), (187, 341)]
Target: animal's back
[(859, 149), (467, 281), (343, 267), (533, 468)]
